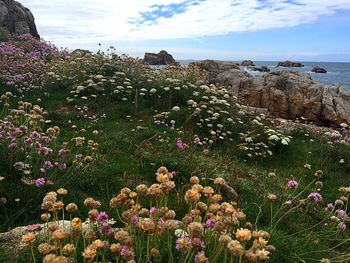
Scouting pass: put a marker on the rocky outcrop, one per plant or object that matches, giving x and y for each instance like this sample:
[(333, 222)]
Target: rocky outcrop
[(289, 63), (318, 69), (290, 95), (215, 67), (162, 58), (260, 69), (247, 63), (17, 19)]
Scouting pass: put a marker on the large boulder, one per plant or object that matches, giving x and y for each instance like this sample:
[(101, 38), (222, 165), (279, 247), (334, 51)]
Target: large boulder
[(17, 19), (247, 63), (318, 69), (289, 63), (215, 67), (162, 58)]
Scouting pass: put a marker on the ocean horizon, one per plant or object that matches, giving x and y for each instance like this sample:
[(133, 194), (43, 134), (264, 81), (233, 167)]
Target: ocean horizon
[(338, 73)]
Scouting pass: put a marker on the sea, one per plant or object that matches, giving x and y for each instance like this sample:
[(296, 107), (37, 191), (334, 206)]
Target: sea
[(338, 73)]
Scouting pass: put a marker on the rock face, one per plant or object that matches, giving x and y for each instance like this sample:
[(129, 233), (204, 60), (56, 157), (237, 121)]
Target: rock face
[(285, 94), (162, 58), (215, 67), (290, 95), (16, 18), (317, 69), (247, 63), (289, 63)]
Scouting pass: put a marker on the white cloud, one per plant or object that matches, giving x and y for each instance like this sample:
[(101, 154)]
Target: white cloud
[(78, 21)]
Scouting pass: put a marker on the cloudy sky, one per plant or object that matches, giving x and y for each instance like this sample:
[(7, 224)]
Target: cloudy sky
[(308, 30)]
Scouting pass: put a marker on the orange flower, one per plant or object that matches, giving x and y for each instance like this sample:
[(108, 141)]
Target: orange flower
[(28, 239), (243, 235)]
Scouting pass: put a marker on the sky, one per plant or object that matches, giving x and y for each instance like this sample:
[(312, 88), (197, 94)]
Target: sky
[(303, 30)]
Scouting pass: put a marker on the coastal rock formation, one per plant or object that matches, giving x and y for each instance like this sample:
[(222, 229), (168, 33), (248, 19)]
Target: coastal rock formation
[(247, 63), (318, 69), (291, 95), (289, 63), (260, 69), (215, 67), (285, 94), (162, 58), (17, 19)]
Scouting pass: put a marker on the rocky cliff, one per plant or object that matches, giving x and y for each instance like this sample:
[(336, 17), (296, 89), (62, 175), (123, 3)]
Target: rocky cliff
[(288, 95), (16, 18)]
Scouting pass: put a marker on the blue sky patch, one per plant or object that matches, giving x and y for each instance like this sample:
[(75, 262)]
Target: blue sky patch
[(164, 11)]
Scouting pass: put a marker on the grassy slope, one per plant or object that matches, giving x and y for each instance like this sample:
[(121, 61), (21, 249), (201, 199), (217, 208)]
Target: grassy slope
[(129, 158)]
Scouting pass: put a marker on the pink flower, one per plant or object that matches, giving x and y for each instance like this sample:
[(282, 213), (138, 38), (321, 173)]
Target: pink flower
[(40, 182), (206, 151), (134, 219), (292, 184), (33, 228), (210, 223)]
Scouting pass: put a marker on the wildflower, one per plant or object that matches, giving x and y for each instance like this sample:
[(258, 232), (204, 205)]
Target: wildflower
[(68, 249), (58, 234), (292, 184), (201, 258), (316, 197), (183, 244), (341, 214), (102, 217), (33, 228), (318, 173), (19, 165), (243, 235), (89, 253), (307, 166), (180, 233), (142, 190), (179, 144), (271, 197), (342, 226), (62, 191), (28, 239), (195, 229), (40, 182), (134, 219), (194, 180), (192, 196), (71, 207), (197, 139), (235, 248), (154, 253), (206, 151), (219, 181), (210, 223), (262, 254), (44, 248), (176, 108), (208, 191)]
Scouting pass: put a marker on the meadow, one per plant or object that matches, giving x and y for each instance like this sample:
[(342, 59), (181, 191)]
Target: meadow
[(104, 159)]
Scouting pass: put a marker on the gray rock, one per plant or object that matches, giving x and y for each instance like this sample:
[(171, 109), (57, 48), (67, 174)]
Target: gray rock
[(289, 63), (247, 63), (17, 19), (317, 69), (162, 58), (215, 67)]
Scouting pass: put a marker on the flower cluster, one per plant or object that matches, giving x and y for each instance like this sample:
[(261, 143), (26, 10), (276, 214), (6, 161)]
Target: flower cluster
[(36, 153), (211, 231), (23, 60)]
